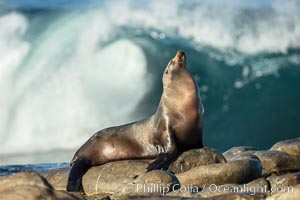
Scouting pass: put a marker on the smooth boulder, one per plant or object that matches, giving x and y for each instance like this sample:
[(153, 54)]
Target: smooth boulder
[(57, 178), (237, 197), (232, 152), (291, 194), (23, 179), (30, 185), (196, 157), (286, 180), (153, 183), (277, 162), (272, 161), (258, 186), (291, 147), (113, 177), (237, 172)]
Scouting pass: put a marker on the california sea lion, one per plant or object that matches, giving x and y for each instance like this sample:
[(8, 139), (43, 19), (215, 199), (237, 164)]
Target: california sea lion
[(174, 128)]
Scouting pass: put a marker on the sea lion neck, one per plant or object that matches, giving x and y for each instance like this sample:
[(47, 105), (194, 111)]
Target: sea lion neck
[(179, 82), (179, 86)]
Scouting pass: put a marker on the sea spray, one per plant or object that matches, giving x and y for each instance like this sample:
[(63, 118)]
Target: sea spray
[(68, 71)]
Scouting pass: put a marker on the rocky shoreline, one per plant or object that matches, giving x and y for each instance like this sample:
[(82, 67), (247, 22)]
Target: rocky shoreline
[(239, 173)]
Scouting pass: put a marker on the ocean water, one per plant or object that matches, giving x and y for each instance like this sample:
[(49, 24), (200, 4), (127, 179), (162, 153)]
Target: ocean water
[(68, 70)]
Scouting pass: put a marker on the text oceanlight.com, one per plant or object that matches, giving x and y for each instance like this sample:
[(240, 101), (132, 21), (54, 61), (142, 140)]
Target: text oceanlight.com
[(213, 188)]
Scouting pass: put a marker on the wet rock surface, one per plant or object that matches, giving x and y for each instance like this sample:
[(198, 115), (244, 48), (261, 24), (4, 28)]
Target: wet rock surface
[(276, 161), (196, 157), (272, 161), (286, 180), (240, 173), (58, 178), (259, 187), (234, 151), (158, 177), (23, 179), (30, 185), (286, 195), (113, 177), (154, 183), (291, 147)]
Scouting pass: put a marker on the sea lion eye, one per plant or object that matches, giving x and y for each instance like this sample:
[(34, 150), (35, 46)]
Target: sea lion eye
[(167, 71)]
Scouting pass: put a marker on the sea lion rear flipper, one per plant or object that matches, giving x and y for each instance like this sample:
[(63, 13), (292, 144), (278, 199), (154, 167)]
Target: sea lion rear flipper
[(78, 169)]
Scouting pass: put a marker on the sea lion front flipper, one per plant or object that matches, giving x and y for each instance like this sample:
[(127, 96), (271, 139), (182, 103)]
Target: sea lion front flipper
[(162, 161), (167, 153)]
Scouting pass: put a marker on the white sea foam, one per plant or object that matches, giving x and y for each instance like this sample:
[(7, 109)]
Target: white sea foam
[(12, 52), (67, 87), (222, 25), (61, 87)]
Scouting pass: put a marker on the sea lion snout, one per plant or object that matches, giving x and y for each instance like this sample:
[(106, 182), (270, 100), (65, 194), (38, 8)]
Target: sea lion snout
[(180, 56)]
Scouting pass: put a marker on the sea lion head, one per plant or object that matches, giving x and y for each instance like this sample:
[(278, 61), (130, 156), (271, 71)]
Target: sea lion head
[(176, 69), (177, 63)]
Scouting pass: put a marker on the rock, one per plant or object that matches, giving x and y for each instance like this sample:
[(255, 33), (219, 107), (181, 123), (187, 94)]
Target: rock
[(113, 177), (286, 180), (23, 179), (239, 171), (231, 153), (34, 192), (30, 185), (276, 162), (196, 157), (58, 178), (258, 186), (224, 196), (237, 197), (291, 147), (157, 177), (292, 194), (243, 156), (179, 193), (153, 183), (261, 185), (272, 161), (152, 197), (220, 197), (228, 196), (214, 190)]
